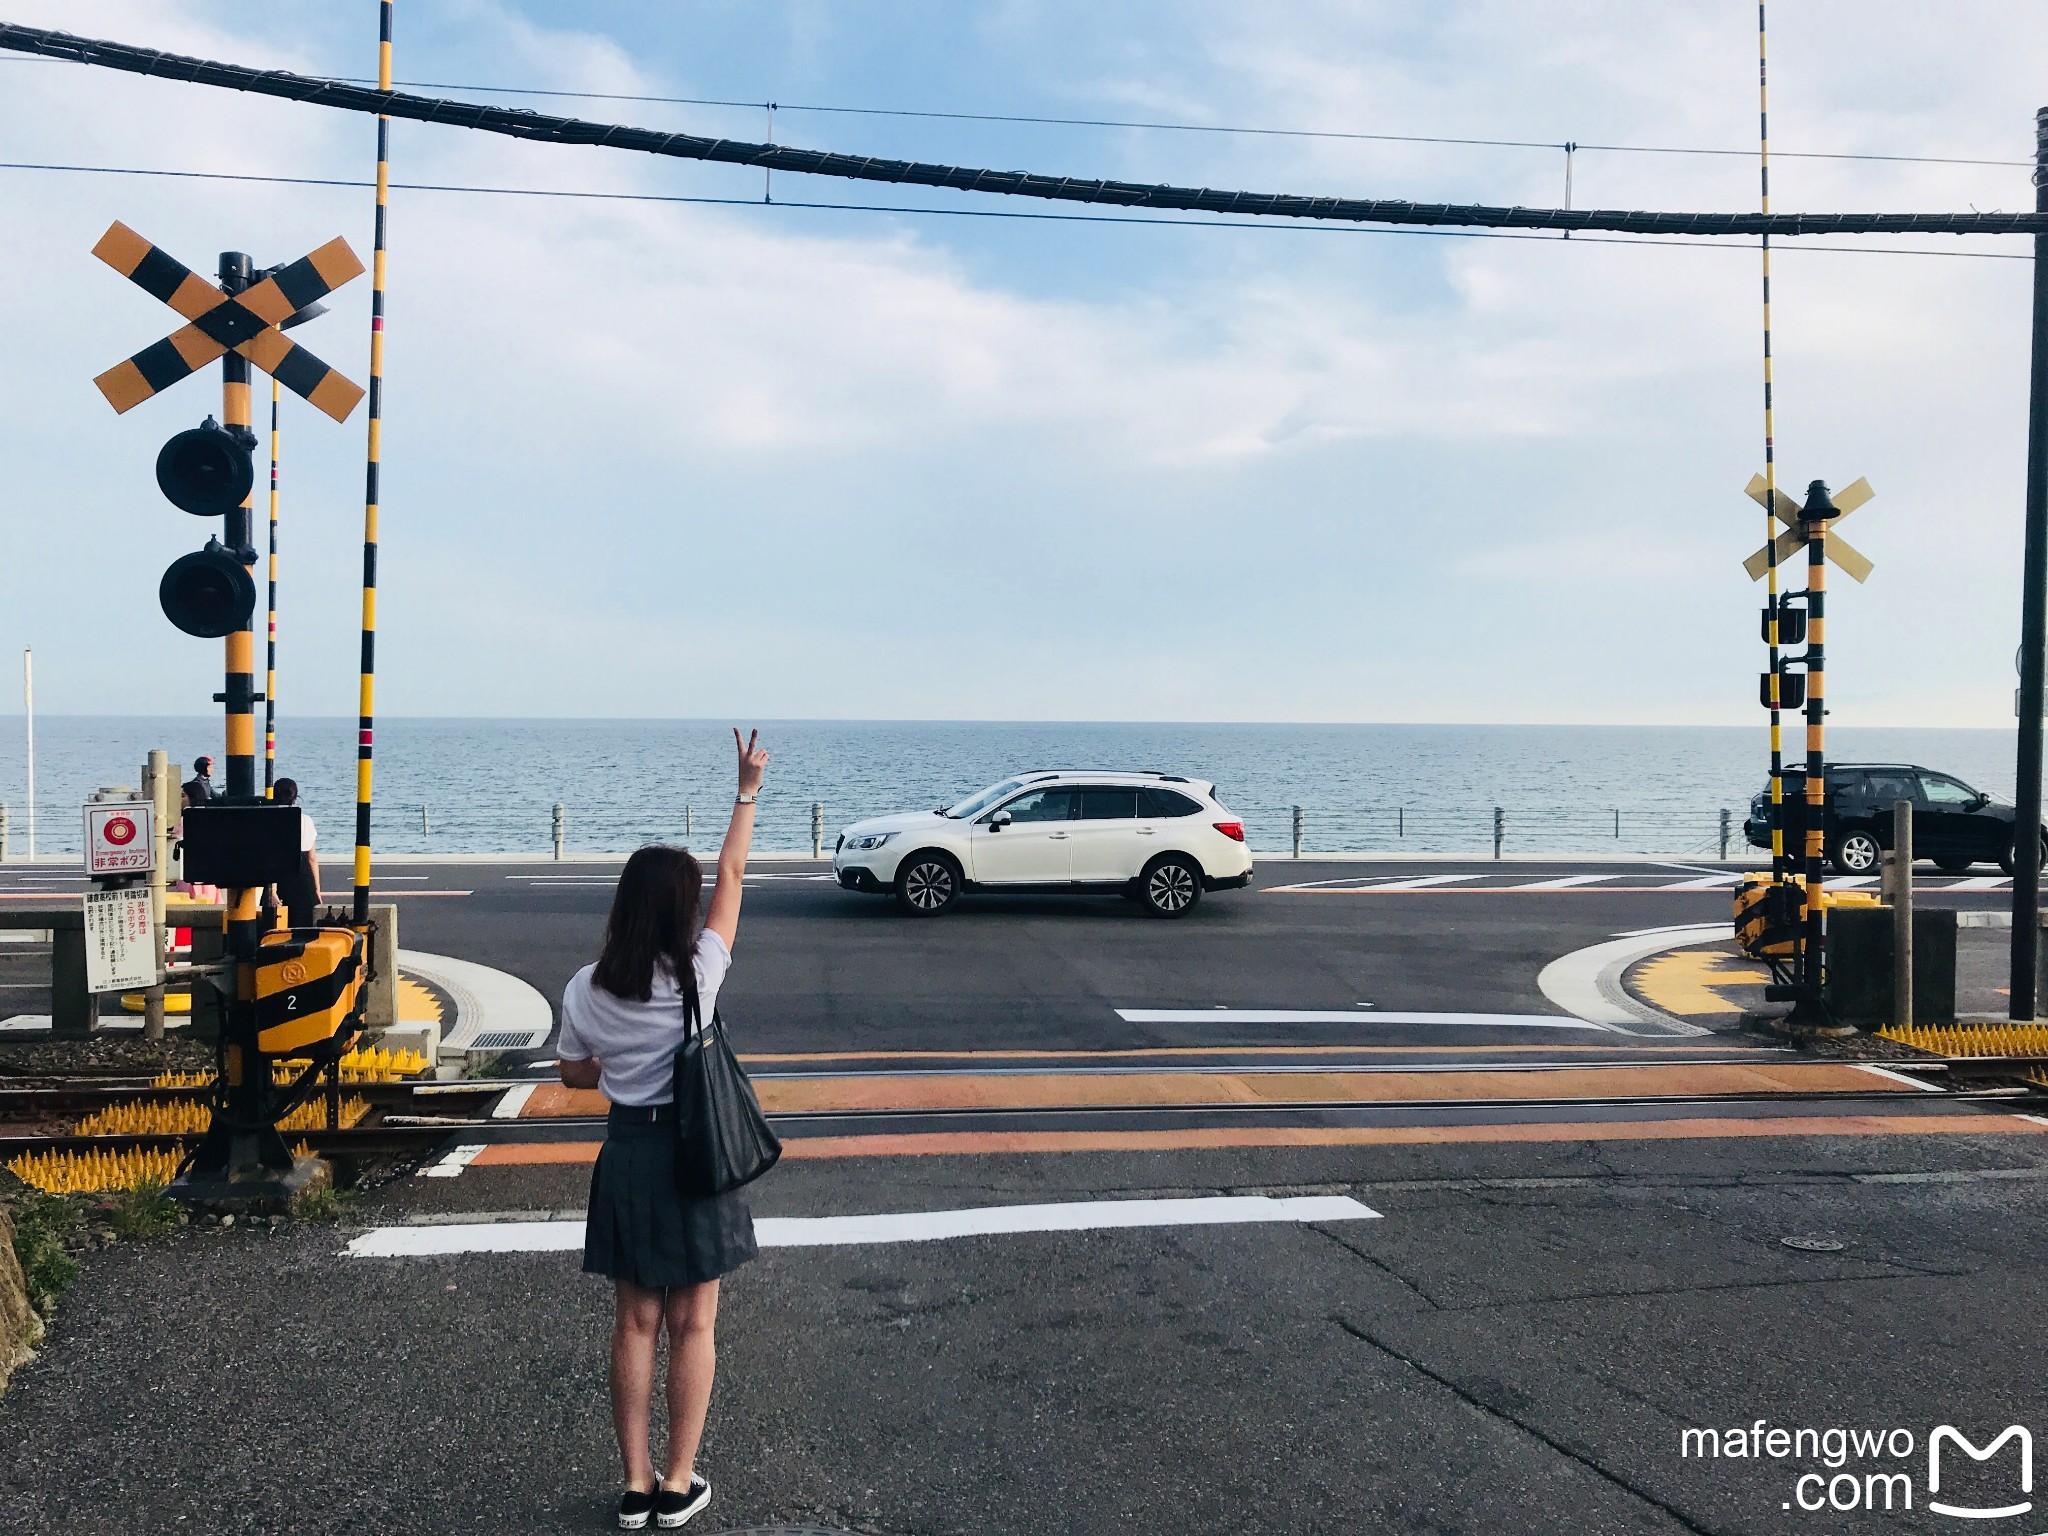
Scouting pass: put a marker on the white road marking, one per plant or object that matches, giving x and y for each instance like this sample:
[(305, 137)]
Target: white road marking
[(488, 1002), (1713, 883), (1562, 883), (1587, 982), (1897, 1077), (1366, 885), (510, 1106), (1346, 1016), (452, 1165), (901, 1227), (1977, 883)]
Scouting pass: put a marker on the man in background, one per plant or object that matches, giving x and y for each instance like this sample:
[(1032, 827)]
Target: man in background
[(199, 788)]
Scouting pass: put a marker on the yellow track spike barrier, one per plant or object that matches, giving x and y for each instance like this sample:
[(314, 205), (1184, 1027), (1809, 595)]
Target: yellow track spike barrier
[(184, 1118), (77, 1173), (1971, 1039), (375, 1065)]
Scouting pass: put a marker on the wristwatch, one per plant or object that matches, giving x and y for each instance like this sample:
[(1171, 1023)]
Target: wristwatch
[(745, 799)]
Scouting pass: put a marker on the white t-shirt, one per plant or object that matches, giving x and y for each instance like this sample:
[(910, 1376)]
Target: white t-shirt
[(307, 832), (636, 1042)]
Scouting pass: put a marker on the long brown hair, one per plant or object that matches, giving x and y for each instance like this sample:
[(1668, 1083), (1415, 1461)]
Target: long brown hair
[(653, 920)]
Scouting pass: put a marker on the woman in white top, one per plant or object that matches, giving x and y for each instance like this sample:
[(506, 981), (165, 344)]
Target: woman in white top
[(622, 1020)]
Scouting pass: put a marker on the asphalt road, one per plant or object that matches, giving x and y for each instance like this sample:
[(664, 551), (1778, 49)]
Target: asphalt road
[(1517, 1346), (818, 968)]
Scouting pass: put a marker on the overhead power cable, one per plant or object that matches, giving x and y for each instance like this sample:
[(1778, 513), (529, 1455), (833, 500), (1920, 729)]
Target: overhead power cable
[(1266, 227), (521, 124), (1032, 120)]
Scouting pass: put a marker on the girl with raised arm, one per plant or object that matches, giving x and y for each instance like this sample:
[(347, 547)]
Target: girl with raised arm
[(622, 1022)]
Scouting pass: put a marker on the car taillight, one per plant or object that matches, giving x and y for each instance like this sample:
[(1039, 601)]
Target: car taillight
[(1234, 830)]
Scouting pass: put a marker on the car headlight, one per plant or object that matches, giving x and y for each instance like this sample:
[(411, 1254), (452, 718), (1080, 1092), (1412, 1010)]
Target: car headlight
[(871, 840)]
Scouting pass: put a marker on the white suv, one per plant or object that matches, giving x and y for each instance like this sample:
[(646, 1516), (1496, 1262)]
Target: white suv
[(1157, 838)]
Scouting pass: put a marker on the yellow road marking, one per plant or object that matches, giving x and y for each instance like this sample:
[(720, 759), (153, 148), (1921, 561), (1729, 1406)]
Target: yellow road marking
[(1687, 981)]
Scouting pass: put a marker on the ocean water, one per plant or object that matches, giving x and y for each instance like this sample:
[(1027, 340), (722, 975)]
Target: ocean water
[(491, 785)]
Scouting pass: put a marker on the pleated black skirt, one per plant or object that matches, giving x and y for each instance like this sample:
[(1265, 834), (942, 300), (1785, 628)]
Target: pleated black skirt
[(640, 1229)]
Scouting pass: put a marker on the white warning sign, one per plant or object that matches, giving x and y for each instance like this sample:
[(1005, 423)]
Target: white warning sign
[(120, 946)]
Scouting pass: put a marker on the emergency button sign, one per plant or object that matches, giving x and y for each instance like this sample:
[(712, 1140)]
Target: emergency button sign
[(118, 839)]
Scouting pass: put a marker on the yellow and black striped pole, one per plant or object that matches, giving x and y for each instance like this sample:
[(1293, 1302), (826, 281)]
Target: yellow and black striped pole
[(270, 662), (366, 693), (1779, 868), (1811, 1007), (239, 695)]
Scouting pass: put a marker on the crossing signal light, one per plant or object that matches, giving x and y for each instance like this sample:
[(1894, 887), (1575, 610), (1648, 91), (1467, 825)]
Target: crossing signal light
[(208, 470), (208, 594)]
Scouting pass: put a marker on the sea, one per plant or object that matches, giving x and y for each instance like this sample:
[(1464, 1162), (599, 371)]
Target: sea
[(492, 786)]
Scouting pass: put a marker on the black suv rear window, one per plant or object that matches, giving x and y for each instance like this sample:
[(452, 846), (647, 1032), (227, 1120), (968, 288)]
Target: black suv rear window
[(1108, 804), (1165, 802)]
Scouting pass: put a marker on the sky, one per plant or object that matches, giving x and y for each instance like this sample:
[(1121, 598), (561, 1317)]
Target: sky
[(751, 459)]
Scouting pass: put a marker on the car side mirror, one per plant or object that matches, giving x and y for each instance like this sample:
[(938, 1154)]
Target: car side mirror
[(1980, 801), (1000, 820)]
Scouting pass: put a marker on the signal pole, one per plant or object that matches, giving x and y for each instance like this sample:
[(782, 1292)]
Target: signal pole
[(239, 697), (1811, 1008), (270, 667)]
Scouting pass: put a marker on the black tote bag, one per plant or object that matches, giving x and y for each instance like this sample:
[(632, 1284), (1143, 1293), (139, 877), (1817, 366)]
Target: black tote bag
[(722, 1139)]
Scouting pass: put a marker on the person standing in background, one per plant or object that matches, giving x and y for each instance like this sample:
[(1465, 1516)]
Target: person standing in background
[(300, 894), (198, 789)]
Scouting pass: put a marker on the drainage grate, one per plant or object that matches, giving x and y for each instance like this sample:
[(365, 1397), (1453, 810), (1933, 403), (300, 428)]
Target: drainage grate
[(503, 1040)]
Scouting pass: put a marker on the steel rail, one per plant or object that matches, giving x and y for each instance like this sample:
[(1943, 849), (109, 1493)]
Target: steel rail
[(545, 128)]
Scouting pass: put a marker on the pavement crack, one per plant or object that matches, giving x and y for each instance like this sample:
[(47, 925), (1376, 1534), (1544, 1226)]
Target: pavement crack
[(1569, 1452), (1704, 1289), (1382, 1266)]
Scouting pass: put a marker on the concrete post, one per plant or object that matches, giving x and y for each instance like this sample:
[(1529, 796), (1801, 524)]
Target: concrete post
[(689, 823), (559, 814), (1725, 818), (1500, 829), (1902, 912), (1297, 831), (157, 782), (426, 826), (817, 829)]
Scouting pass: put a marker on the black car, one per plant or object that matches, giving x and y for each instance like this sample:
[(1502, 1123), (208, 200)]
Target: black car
[(1954, 825)]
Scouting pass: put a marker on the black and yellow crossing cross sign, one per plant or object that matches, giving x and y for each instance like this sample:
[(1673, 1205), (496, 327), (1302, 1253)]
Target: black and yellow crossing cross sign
[(1792, 540), (245, 323)]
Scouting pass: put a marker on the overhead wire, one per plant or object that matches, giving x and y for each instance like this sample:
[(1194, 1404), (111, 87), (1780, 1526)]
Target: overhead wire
[(981, 213), (1034, 120), (537, 127)]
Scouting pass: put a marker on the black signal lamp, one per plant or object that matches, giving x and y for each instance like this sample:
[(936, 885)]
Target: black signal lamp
[(208, 470), (208, 593)]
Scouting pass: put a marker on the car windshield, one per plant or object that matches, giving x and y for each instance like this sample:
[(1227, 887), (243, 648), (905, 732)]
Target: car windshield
[(974, 805)]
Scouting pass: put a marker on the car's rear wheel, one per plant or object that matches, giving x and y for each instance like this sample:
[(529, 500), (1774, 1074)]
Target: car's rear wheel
[(1170, 886), (2008, 863), (927, 884), (1953, 864), (1855, 853)]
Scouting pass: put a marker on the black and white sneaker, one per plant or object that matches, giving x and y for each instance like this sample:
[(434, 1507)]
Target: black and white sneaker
[(634, 1508), (673, 1508)]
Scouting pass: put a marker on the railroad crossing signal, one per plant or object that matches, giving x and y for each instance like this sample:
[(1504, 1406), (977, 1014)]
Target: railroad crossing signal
[(246, 323), (1793, 539)]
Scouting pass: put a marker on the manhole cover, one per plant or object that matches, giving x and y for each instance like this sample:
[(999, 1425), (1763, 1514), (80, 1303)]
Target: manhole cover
[(1814, 1244)]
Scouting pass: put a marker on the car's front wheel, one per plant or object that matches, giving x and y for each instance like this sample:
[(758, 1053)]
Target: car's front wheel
[(1170, 886), (1856, 853), (2008, 863), (927, 884)]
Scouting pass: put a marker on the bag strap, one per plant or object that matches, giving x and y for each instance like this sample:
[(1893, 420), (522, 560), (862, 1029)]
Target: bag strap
[(693, 1005)]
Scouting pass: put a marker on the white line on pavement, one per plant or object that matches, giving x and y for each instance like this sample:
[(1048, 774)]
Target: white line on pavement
[(509, 1107), (453, 1164), (1587, 982), (1898, 1077), (1977, 883), (1562, 883), (1349, 1016), (900, 1227)]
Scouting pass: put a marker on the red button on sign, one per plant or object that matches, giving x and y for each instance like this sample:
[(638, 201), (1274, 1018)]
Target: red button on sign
[(119, 831)]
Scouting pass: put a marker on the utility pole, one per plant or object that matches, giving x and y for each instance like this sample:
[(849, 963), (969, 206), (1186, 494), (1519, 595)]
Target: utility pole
[(28, 705), (2026, 853)]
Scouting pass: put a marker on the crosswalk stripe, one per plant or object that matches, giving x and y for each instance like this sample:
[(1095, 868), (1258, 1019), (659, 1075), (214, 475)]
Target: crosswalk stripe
[(898, 1227), (1562, 883)]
